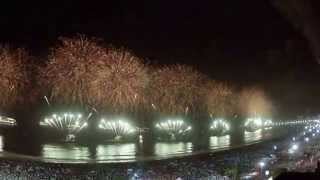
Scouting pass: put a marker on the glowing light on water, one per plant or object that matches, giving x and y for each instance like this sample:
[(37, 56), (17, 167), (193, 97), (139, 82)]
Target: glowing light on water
[(116, 152), (1, 143), (219, 142), (59, 151), (69, 122), (174, 127), (171, 149), (119, 127), (7, 121), (250, 137)]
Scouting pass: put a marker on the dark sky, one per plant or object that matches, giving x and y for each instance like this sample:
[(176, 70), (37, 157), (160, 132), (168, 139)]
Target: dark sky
[(215, 36)]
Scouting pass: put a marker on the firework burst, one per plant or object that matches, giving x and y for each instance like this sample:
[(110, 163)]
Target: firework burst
[(13, 76), (120, 128), (70, 123), (219, 99), (175, 89), (173, 128), (119, 81), (254, 102), (65, 77), (220, 126), (82, 72)]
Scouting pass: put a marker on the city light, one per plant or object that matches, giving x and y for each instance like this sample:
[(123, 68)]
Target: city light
[(261, 164), (293, 148), (275, 147), (267, 172)]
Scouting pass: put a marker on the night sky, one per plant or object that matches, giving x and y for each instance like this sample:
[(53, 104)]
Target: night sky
[(244, 42)]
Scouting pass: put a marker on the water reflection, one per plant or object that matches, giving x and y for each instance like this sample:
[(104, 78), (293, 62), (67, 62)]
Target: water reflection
[(131, 151), (116, 151), (1, 143), (250, 137), (65, 151), (168, 149), (219, 142)]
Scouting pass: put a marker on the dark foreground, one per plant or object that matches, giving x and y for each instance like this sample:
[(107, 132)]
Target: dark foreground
[(245, 163), (223, 165)]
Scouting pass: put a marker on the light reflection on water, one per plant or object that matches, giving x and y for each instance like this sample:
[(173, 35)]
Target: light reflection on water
[(116, 151), (219, 142), (169, 149), (250, 137), (65, 151), (132, 151), (1, 143)]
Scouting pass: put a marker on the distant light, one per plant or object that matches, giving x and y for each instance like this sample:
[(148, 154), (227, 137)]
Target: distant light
[(293, 139), (261, 164), (275, 147), (306, 139), (295, 147), (267, 172)]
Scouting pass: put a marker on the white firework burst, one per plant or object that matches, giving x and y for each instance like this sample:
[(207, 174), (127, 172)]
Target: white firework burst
[(72, 123), (119, 127), (174, 127), (220, 125)]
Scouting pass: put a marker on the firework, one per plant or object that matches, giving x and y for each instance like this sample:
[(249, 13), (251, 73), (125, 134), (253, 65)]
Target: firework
[(175, 90), (173, 127), (254, 102), (71, 123), (13, 76), (65, 78), (220, 125), (267, 123), (220, 99), (120, 128), (119, 81), (258, 122), (82, 72)]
